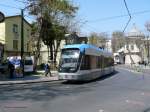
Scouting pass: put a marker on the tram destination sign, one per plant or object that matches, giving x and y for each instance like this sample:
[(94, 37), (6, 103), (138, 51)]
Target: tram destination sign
[(2, 17)]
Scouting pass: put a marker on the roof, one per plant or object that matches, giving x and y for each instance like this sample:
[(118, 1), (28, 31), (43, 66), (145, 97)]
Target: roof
[(82, 47), (8, 17), (135, 32), (121, 50)]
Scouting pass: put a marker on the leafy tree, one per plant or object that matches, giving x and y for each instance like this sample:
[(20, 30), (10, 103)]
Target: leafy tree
[(147, 25), (98, 39), (102, 39), (35, 42), (51, 18), (118, 40), (93, 38)]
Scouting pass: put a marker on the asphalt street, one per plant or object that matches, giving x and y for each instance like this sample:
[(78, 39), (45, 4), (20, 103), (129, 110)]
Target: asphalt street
[(123, 91)]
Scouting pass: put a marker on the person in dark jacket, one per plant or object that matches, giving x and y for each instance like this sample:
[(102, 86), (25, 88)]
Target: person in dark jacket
[(11, 70), (47, 70)]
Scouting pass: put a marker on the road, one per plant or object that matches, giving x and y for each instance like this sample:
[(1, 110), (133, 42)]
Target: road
[(123, 91)]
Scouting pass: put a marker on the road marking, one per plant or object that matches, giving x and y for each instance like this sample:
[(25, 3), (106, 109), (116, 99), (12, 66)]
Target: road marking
[(16, 104), (127, 101), (145, 94), (101, 110), (134, 102), (67, 87), (142, 93)]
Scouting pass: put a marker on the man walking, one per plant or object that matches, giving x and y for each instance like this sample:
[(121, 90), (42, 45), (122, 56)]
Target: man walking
[(11, 70), (47, 70)]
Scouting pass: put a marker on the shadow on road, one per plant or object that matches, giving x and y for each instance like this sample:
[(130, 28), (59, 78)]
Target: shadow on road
[(98, 79), (47, 91)]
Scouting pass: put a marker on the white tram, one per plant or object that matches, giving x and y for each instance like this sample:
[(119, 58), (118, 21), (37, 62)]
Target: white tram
[(84, 62)]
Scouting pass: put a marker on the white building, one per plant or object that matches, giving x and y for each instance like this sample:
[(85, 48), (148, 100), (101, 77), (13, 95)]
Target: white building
[(132, 51), (108, 45), (44, 53)]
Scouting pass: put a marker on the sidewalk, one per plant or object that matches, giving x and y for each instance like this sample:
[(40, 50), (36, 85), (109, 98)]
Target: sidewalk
[(31, 79), (139, 68)]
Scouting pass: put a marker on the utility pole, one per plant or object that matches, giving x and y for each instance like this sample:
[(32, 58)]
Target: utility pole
[(22, 39), (148, 48)]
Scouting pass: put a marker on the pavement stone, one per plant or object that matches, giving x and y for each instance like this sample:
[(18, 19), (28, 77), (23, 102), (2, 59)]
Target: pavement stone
[(31, 79)]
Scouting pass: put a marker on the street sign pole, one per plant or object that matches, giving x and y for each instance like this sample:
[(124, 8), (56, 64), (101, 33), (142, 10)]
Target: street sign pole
[(22, 39)]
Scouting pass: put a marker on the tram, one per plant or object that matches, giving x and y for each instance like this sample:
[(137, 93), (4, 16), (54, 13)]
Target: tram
[(82, 62)]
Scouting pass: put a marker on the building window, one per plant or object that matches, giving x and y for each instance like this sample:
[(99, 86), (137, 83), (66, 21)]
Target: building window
[(28, 33), (15, 44), (85, 65), (28, 47), (127, 47), (132, 47), (15, 28)]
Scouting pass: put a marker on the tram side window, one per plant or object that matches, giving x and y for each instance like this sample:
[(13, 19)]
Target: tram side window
[(85, 64), (102, 62), (111, 61), (98, 61), (93, 60), (106, 62)]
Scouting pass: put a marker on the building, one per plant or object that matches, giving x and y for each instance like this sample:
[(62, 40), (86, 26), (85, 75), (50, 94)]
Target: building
[(75, 39), (101, 42), (133, 50), (10, 36), (1, 51), (44, 57), (108, 45)]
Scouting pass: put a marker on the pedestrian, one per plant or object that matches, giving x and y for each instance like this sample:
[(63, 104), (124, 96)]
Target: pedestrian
[(47, 70), (11, 70), (145, 64)]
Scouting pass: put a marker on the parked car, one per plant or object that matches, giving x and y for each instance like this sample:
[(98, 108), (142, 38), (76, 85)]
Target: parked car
[(3, 67)]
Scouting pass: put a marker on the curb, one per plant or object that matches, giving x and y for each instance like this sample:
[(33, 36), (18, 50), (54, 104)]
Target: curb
[(27, 82), (130, 70), (133, 71), (12, 82)]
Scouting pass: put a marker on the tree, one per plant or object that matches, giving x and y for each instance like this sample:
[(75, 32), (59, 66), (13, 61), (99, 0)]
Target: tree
[(147, 25), (102, 39), (51, 17), (118, 40), (98, 39), (35, 42), (93, 38)]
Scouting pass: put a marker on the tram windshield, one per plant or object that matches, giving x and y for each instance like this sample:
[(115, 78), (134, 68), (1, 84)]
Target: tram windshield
[(69, 60)]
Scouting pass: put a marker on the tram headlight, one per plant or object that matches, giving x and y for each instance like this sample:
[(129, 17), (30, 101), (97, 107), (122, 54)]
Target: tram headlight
[(76, 55), (72, 69), (74, 76)]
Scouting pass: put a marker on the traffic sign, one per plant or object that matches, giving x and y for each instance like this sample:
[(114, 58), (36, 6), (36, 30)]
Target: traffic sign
[(2, 17)]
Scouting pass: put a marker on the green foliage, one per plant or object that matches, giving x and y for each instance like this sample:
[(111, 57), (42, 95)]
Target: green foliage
[(98, 39), (118, 40), (51, 18)]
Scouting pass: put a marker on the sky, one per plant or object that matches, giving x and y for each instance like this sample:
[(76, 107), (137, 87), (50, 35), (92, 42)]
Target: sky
[(97, 15)]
